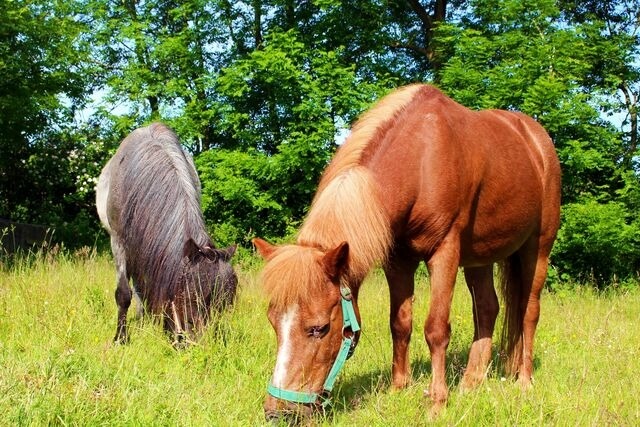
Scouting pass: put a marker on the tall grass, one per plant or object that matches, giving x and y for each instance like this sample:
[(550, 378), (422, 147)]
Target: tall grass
[(58, 365)]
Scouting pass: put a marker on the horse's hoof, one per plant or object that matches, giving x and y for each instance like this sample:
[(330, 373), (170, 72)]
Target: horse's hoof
[(436, 409), (525, 384), (121, 339), (470, 383)]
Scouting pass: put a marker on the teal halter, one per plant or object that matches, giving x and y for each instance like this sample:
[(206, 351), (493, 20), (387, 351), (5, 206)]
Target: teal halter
[(349, 322)]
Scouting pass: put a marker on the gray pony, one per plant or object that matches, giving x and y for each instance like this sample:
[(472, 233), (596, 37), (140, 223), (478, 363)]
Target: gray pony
[(148, 198)]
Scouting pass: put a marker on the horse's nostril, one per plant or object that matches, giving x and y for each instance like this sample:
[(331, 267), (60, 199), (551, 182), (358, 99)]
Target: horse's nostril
[(289, 417), (272, 416)]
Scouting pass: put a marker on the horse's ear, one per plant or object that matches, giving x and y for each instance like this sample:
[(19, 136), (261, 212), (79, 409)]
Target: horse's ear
[(264, 248), (227, 253), (334, 261), (191, 250), (215, 254)]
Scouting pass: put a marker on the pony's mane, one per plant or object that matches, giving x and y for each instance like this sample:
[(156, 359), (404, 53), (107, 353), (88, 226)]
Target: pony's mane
[(346, 207), (291, 273), (368, 130), (349, 210), (160, 210)]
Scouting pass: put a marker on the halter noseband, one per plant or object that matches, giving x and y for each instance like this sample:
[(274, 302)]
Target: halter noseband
[(348, 346)]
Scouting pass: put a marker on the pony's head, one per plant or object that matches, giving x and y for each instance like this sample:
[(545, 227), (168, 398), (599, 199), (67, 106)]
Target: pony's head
[(307, 311), (208, 282)]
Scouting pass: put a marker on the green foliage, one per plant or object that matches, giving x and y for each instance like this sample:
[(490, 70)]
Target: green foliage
[(598, 243), (43, 77), (261, 92), (235, 196), (283, 106)]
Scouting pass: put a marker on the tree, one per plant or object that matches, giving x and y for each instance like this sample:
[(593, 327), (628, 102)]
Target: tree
[(282, 108), (613, 30), (159, 59), (43, 80)]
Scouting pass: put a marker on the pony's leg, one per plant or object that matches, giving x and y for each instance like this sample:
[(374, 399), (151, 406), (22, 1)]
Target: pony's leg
[(485, 311), (399, 273), (138, 303), (534, 262), (443, 267), (123, 290)]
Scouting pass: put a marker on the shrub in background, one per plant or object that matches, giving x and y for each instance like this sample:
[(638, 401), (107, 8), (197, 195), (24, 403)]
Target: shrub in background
[(598, 243)]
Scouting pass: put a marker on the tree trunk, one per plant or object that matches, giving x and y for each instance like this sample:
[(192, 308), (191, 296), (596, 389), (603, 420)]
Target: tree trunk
[(631, 103), (428, 23)]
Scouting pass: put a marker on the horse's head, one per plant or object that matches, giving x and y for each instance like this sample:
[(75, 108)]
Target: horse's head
[(314, 317), (209, 282)]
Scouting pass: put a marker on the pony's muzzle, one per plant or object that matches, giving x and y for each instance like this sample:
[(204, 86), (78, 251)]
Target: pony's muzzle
[(279, 411)]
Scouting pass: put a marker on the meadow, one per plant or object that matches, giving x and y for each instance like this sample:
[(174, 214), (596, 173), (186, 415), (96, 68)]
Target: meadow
[(58, 365)]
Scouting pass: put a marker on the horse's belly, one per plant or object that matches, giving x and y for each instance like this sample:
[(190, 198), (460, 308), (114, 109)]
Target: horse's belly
[(486, 231), (494, 235)]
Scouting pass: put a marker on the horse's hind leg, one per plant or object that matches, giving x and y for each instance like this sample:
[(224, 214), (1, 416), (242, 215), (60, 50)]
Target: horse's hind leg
[(400, 278), (526, 271), (123, 290), (534, 262), (485, 311)]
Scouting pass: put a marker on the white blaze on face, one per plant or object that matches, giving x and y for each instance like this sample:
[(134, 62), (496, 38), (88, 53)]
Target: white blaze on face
[(286, 347)]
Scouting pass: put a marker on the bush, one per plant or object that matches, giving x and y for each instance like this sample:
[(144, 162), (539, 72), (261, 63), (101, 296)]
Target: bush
[(597, 242)]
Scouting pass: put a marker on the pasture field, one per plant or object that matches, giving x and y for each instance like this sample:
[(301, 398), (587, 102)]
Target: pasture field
[(59, 367)]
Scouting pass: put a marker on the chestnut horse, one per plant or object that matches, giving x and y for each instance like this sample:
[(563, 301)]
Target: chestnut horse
[(148, 198), (420, 178)]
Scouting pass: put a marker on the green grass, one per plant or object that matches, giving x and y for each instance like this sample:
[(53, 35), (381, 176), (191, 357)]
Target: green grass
[(58, 366)]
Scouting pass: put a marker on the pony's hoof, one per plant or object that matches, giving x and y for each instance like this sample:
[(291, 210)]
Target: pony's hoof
[(437, 404), (525, 384), (121, 340), (470, 383), (436, 409), (400, 384)]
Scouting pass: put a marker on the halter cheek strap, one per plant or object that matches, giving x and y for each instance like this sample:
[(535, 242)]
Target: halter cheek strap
[(350, 326)]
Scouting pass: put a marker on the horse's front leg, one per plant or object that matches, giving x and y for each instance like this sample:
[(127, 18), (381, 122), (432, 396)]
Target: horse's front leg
[(485, 311), (443, 267), (400, 277)]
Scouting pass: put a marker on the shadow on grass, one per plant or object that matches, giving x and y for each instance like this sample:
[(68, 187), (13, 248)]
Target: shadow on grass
[(357, 391)]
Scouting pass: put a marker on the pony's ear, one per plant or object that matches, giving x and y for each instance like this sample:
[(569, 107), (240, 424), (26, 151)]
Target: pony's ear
[(334, 261), (191, 250), (215, 254), (227, 253), (265, 249)]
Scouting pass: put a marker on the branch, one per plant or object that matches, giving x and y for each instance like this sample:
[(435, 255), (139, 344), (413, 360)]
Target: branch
[(631, 102), (427, 21), (411, 47)]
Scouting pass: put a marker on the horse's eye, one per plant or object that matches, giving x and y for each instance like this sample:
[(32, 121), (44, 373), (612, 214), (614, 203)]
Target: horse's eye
[(318, 331)]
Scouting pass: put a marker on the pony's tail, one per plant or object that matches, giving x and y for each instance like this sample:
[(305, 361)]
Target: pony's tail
[(513, 293)]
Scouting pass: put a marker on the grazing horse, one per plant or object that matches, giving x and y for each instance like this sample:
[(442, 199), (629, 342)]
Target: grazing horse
[(420, 178), (148, 198)]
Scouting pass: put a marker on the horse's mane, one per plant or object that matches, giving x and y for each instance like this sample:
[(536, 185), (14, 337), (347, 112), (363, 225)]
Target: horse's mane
[(291, 273), (160, 210), (346, 207), (369, 130)]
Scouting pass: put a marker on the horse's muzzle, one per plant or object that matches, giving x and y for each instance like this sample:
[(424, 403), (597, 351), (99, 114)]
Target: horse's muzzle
[(277, 411)]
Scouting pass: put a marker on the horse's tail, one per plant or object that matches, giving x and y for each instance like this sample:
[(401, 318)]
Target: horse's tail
[(513, 293)]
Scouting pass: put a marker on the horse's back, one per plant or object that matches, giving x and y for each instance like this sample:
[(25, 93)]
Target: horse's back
[(491, 177), (146, 153)]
